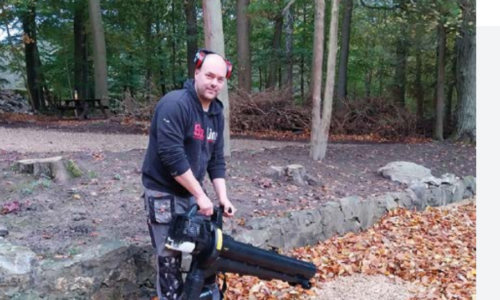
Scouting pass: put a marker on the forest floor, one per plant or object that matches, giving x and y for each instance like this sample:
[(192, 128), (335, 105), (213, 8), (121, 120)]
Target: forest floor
[(59, 220)]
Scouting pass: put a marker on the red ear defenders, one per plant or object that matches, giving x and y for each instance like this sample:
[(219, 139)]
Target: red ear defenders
[(200, 57)]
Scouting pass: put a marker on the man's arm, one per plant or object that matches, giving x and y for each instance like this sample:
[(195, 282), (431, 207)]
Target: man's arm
[(220, 189), (189, 182)]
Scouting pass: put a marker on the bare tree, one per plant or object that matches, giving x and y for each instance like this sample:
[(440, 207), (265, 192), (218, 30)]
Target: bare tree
[(439, 121), (99, 51), (214, 40), (320, 135)]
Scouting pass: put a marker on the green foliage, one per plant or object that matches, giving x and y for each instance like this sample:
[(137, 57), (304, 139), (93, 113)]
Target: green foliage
[(92, 174), (73, 169), (148, 37), (29, 187)]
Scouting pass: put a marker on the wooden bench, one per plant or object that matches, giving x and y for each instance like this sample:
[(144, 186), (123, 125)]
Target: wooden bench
[(81, 107)]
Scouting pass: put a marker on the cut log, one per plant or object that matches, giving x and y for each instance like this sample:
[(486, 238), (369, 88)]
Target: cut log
[(52, 167)]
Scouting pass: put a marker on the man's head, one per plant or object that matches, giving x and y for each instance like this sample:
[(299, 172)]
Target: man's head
[(210, 75)]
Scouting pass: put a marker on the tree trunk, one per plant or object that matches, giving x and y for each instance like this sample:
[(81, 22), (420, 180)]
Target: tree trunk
[(192, 34), (243, 45), (163, 76), (419, 90), (288, 76), (368, 83), (317, 74), (344, 52), (439, 120), (33, 71), (80, 53), (466, 74), (214, 40), (99, 52), (326, 116), (318, 147), (302, 57), (400, 74), (149, 47), (173, 44), (273, 64), (451, 87)]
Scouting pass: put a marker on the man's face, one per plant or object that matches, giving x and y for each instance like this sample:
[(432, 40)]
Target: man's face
[(210, 78)]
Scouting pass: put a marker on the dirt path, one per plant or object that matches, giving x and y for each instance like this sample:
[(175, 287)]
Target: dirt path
[(25, 140)]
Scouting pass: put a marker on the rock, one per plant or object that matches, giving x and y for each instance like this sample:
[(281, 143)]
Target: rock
[(3, 231), (105, 269), (437, 197), (403, 199), (332, 219), (386, 201), (470, 184), (16, 266), (257, 238), (369, 213), (421, 193), (351, 207), (404, 172)]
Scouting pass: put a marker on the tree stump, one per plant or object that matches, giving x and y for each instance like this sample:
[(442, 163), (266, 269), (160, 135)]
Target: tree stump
[(52, 167), (297, 173)]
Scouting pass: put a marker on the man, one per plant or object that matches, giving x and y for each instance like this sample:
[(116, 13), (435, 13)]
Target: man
[(185, 142)]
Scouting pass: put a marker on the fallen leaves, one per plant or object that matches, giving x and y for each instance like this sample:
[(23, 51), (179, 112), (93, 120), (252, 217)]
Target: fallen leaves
[(435, 249)]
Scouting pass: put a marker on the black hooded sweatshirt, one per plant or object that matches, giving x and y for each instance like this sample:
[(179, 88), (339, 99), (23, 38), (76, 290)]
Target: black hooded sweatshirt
[(183, 136)]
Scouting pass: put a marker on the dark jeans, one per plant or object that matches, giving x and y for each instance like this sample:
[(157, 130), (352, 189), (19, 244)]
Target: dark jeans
[(160, 207)]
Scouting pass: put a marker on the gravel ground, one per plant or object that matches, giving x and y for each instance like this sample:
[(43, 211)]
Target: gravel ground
[(355, 287), (364, 287)]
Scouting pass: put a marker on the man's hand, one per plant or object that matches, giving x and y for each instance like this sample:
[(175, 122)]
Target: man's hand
[(206, 205), (229, 208)]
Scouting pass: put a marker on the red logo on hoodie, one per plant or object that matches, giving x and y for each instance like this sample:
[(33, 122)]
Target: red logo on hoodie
[(198, 133)]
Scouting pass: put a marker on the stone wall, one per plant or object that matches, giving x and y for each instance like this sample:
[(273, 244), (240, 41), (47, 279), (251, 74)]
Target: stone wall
[(351, 214)]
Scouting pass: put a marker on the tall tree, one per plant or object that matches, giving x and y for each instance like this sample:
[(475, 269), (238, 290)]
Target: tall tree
[(452, 85), (344, 51), (173, 43), (320, 137), (214, 40), (80, 51), (419, 89), (317, 67), (99, 51), (33, 65), (149, 47), (192, 34), (272, 79), (288, 17), (317, 75), (466, 74), (439, 120), (399, 88), (243, 46)]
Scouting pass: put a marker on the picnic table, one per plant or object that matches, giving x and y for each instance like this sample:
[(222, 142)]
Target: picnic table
[(81, 107)]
